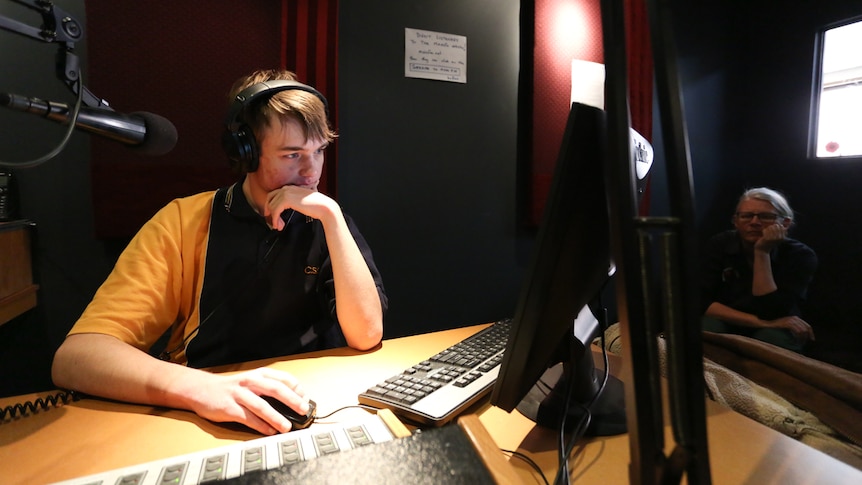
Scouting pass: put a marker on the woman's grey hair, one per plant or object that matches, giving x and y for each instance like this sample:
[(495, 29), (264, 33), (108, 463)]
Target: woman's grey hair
[(774, 197)]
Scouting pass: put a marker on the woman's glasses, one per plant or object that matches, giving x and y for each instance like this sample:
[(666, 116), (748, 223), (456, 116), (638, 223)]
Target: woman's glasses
[(763, 216)]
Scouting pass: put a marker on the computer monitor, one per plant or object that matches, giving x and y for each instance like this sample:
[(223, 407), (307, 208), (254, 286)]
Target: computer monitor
[(560, 310)]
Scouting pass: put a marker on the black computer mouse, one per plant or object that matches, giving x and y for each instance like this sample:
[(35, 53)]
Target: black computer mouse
[(298, 421)]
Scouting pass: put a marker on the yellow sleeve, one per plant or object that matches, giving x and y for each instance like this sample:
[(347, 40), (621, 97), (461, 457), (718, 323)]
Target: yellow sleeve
[(156, 281)]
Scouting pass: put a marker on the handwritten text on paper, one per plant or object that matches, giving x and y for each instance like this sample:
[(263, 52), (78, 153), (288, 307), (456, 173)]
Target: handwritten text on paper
[(435, 55)]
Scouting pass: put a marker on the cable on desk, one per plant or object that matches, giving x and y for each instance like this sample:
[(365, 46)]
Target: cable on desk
[(565, 449), (360, 406), (528, 461), (20, 410)]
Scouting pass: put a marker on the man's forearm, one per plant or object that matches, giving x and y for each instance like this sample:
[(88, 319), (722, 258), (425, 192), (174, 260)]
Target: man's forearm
[(117, 371), (358, 306)]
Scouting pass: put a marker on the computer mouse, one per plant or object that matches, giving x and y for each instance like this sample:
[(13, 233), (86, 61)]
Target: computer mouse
[(297, 420)]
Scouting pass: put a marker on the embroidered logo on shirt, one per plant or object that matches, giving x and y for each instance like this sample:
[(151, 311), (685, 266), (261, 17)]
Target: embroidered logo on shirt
[(311, 270)]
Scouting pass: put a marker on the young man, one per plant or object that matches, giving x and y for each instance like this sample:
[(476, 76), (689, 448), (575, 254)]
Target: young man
[(246, 272), (755, 277)]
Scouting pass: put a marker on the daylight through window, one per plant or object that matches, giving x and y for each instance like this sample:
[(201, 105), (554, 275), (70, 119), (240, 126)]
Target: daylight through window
[(839, 130)]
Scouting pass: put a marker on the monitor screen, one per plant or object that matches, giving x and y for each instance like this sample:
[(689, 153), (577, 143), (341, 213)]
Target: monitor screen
[(560, 310)]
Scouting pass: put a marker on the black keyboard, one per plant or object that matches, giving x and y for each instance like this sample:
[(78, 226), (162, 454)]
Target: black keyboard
[(436, 390)]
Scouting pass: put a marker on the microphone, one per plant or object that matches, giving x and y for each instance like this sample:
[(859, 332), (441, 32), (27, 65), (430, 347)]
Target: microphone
[(146, 133)]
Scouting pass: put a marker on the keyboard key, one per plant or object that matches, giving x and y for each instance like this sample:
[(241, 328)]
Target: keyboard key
[(173, 474), (325, 444), (252, 459), (214, 468), (291, 452)]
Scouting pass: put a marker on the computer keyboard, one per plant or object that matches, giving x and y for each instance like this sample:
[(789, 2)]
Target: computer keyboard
[(267, 453), (436, 390)]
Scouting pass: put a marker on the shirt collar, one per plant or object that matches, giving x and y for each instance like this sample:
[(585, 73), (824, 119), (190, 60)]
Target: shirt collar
[(237, 205)]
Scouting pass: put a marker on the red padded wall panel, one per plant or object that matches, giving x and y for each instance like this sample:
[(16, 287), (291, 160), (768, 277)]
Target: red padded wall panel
[(564, 30), (175, 58)]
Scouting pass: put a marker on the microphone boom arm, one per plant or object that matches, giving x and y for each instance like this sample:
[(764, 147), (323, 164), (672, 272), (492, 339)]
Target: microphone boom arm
[(57, 27)]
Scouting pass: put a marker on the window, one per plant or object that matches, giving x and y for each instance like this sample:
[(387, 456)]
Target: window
[(839, 110)]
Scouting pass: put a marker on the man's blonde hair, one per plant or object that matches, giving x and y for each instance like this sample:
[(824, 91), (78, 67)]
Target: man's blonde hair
[(297, 104)]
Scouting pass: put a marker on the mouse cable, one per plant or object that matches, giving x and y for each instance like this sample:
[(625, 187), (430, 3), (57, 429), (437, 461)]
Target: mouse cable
[(344, 408)]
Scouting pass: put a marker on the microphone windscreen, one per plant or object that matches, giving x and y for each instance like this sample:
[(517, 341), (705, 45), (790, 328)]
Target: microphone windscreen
[(161, 135)]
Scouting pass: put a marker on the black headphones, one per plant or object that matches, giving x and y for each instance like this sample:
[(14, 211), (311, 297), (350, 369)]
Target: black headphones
[(238, 139)]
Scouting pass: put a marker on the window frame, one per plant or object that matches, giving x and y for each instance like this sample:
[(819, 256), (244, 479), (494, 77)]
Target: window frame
[(817, 91)]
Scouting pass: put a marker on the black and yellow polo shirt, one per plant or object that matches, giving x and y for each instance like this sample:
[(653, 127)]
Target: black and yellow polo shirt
[(230, 289)]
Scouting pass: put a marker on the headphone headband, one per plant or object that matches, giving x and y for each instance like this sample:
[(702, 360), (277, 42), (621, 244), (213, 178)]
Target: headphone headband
[(267, 88)]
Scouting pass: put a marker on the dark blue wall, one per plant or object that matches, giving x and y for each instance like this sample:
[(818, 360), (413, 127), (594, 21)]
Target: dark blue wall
[(428, 168)]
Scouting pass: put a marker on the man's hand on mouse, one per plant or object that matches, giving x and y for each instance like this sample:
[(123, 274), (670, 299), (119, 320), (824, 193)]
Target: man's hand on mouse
[(236, 397), (298, 419)]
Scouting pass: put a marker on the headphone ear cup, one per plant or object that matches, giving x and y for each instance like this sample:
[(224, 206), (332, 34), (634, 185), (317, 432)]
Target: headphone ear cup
[(241, 149)]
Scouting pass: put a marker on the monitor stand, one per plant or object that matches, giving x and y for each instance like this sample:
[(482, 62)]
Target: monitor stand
[(545, 402)]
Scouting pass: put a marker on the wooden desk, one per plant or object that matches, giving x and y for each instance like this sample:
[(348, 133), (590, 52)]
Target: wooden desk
[(92, 435), (17, 291)]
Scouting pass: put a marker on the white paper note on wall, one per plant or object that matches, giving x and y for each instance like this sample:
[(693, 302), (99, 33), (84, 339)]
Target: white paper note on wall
[(435, 55)]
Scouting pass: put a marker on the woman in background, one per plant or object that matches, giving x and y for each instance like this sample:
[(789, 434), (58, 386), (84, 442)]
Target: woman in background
[(755, 277)]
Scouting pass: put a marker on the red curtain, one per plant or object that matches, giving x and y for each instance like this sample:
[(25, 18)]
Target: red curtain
[(309, 32), (640, 73), (640, 66)]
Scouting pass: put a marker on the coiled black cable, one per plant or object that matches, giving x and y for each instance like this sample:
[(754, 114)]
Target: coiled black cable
[(20, 410)]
